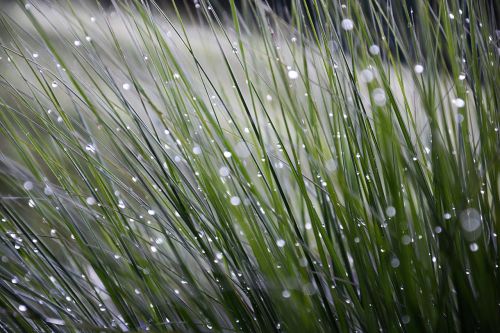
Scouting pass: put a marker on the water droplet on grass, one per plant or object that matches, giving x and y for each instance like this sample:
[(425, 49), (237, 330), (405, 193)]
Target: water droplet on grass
[(77, 43), (90, 201), (48, 190), (126, 86), (347, 24), (379, 97), (419, 69), (28, 186), (151, 212), (458, 102), (235, 201), (90, 148), (293, 75), (224, 171), (286, 293), (390, 211), (196, 150), (374, 49), (54, 84), (395, 262), (22, 308), (280, 242), (470, 220), (474, 247), (406, 240)]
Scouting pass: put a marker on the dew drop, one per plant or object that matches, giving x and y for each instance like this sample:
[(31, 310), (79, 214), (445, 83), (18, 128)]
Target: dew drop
[(458, 102), (77, 43), (235, 201), (196, 150), (419, 69), (347, 24), (90, 148), (470, 220), (374, 49), (293, 75), (406, 240), (395, 262), (151, 212), (90, 201), (224, 171), (379, 97), (22, 308), (154, 249), (28, 186), (366, 75), (126, 86), (48, 190), (54, 84), (474, 247), (286, 293), (390, 211), (280, 242)]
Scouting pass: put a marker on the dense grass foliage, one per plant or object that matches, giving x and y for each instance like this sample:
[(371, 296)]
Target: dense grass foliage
[(231, 170)]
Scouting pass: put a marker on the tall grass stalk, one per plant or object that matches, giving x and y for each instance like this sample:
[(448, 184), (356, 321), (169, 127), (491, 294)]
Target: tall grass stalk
[(209, 169)]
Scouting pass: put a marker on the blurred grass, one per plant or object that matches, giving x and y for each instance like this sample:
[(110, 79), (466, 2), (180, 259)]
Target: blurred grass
[(249, 174)]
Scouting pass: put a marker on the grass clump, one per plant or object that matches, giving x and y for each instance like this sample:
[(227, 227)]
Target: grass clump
[(212, 169)]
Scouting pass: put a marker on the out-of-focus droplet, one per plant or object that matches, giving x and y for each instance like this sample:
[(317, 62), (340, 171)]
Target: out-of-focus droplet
[(347, 24), (419, 69), (293, 75), (374, 49), (379, 97)]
